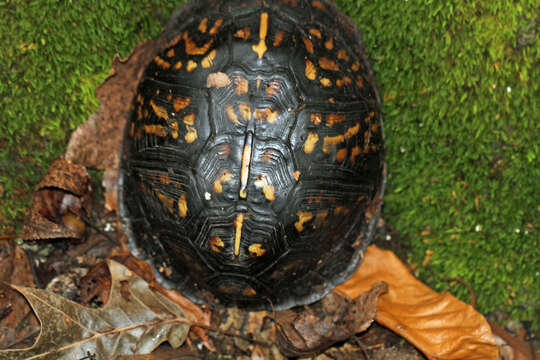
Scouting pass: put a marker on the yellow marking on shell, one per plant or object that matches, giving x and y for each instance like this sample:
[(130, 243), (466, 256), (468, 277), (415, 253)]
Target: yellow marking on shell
[(308, 44), (273, 88), (355, 151), (140, 99), (244, 167), (341, 210), (315, 118), (345, 81), (329, 44), (332, 119), (319, 5), (256, 250), (249, 291), (321, 215), (315, 32), (158, 130), (266, 115), (341, 155), (332, 100), (355, 66), (167, 201), (342, 55), (216, 27), (296, 175), (191, 134), (203, 25), (328, 64), (174, 129), (268, 190), (193, 49), (208, 60), (132, 129), (353, 130), (238, 223), (241, 85), (170, 53), (259, 80), (243, 33), (191, 65), (177, 66), (367, 137), (182, 205), (169, 97), (331, 141), (261, 48), (303, 217), (326, 82), (311, 140), (245, 111), (278, 38), (160, 111), (231, 114), (311, 71), (180, 103), (225, 176), (189, 119), (359, 81), (164, 179), (217, 80), (216, 243), (161, 63)]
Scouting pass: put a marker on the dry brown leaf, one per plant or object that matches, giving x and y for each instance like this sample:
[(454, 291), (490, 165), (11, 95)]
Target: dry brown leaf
[(135, 321), (61, 197), (17, 321), (96, 142), (439, 325), (309, 330)]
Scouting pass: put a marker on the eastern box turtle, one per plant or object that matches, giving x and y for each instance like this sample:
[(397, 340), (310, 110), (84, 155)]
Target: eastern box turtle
[(253, 164)]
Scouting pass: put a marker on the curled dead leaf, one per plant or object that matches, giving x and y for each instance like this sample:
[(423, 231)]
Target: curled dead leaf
[(312, 329)]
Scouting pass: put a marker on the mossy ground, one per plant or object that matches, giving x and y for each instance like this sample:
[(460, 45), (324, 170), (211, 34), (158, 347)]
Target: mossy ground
[(461, 89)]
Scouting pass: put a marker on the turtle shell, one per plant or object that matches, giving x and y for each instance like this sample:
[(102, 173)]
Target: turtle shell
[(253, 163)]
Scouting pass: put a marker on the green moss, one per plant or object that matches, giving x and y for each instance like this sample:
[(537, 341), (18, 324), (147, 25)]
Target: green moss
[(462, 120)]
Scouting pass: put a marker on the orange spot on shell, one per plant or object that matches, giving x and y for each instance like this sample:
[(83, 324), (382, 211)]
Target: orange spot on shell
[(160, 111), (161, 63), (308, 44), (315, 118), (208, 60), (231, 114), (158, 130), (191, 65), (181, 103), (329, 44), (193, 49), (216, 27), (203, 25), (328, 64), (191, 134), (355, 152), (345, 81), (318, 5), (315, 32), (355, 66), (296, 175), (311, 71), (359, 81), (273, 88), (216, 243), (164, 179), (225, 176), (189, 119), (326, 82), (177, 66), (182, 205), (241, 85), (341, 155), (256, 250), (352, 131), (167, 201), (238, 223), (268, 190), (310, 143), (245, 111), (174, 129), (278, 38), (342, 55), (261, 48), (332, 119), (217, 80), (249, 291), (243, 34), (303, 217), (170, 53), (331, 141), (266, 115)]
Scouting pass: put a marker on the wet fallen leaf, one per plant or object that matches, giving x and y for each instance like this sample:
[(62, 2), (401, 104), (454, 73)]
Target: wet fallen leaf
[(439, 325), (17, 321), (309, 330), (136, 320)]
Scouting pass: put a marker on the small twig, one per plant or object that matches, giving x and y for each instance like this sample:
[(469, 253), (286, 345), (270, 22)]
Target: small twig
[(361, 346), (7, 237), (232, 334), (468, 286)]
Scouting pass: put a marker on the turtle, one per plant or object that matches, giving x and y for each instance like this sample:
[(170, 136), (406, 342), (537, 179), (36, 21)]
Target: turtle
[(253, 164)]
